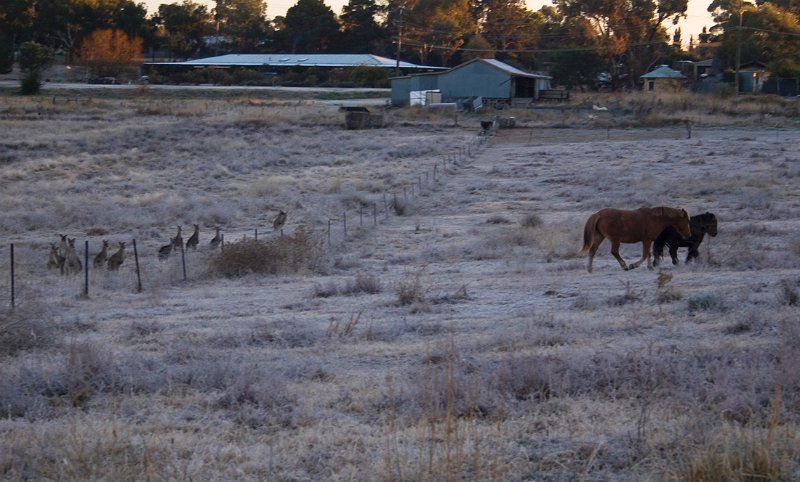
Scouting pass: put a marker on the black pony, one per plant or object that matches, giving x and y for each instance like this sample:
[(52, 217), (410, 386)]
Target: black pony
[(700, 225)]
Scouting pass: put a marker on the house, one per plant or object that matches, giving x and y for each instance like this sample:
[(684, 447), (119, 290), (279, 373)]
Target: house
[(697, 70), (663, 79), (492, 81)]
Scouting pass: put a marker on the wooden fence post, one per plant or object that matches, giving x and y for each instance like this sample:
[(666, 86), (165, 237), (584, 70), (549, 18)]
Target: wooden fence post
[(138, 272)]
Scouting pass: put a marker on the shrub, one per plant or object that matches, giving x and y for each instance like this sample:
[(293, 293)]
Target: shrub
[(707, 302), (25, 328), (531, 221), (788, 295), (410, 290), (286, 254)]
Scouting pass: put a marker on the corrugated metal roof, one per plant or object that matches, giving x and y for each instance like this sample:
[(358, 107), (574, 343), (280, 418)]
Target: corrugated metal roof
[(295, 60), (505, 68), (663, 72)]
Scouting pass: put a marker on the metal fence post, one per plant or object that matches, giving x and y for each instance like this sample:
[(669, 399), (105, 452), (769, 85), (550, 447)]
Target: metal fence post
[(138, 272), (12, 278)]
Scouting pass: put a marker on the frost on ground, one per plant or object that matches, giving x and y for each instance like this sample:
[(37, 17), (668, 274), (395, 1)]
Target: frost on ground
[(455, 337)]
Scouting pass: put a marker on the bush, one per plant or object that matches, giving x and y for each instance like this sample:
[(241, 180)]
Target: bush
[(707, 302), (286, 254), (31, 84), (410, 290), (25, 328)]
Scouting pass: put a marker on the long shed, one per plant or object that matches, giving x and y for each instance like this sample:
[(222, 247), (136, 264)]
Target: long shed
[(489, 79)]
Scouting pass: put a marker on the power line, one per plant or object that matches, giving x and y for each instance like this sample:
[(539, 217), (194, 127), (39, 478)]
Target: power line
[(532, 51)]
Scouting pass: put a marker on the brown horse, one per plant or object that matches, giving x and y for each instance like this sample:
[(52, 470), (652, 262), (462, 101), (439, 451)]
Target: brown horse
[(624, 226)]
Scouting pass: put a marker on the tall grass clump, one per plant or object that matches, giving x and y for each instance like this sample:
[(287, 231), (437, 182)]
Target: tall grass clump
[(25, 328), (283, 255), (735, 453)]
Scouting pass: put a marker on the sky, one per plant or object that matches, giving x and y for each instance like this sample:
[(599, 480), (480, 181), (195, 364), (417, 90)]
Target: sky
[(697, 16)]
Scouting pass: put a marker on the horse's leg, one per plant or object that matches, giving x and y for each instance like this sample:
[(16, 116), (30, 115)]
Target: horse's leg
[(693, 253), (615, 251), (593, 249), (673, 253), (645, 256)]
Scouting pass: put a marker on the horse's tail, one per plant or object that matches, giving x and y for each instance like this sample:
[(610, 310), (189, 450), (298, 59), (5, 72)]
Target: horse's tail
[(589, 231)]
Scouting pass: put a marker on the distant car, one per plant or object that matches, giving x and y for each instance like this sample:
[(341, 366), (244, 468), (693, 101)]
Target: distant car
[(103, 80)]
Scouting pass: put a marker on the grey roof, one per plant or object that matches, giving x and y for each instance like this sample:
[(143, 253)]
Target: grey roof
[(505, 68), (491, 62), (294, 60), (663, 72)]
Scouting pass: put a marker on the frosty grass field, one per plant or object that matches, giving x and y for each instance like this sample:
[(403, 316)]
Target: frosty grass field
[(455, 337)]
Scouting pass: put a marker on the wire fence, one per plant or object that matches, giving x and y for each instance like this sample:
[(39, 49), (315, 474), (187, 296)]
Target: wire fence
[(26, 275)]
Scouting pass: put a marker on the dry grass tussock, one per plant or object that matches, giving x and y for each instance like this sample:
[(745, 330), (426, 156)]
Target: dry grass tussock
[(457, 338), (296, 252), (26, 328)]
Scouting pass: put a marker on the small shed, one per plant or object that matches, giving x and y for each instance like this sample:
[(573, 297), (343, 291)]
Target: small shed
[(490, 79), (752, 76), (663, 79)]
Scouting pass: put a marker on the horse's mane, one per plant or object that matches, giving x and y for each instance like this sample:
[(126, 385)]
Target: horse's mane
[(705, 218), (667, 211)]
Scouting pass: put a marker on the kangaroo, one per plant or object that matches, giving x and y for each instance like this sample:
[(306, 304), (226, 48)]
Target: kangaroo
[(279, 221), (194, 239), (177, 241), (63, 246), (72, 263), (55, 260), (165, 251), (216, 240), (116, 259), (101, 257)]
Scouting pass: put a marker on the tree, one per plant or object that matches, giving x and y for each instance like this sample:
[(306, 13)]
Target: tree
[(768, 34), (571, 46), (439, 26), (360, 29), (16, 20), (243, 23), (34, 58), (184, 26), (309, 26), (509, 27), (631, 33), (110, 52)]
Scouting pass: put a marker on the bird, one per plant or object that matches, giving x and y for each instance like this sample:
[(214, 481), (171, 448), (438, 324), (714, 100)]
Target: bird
[(279, 221)]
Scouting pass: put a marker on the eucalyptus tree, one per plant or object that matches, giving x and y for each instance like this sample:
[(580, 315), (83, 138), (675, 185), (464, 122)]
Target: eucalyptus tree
[(510, 28), (361, 30), (631, 32), (243, 23), (184, 26), (437, 29), (309, 26)]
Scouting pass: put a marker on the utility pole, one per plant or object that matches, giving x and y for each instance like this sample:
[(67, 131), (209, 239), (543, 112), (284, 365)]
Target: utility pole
[(738, 51), (399, 40)]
